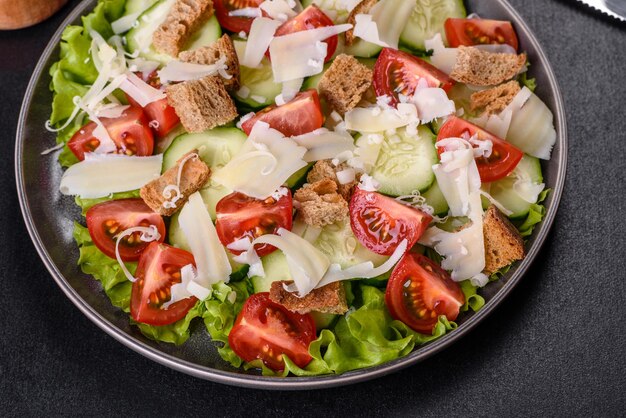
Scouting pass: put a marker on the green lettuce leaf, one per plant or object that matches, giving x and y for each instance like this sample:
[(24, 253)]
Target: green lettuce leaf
[(535, 215), (473, 300), (176, 333)]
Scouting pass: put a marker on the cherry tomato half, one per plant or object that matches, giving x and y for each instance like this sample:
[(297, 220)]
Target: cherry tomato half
[(108, 219), (130, 132), (160, 114), (299, 116), (240, 216), (470, 32), (158, 269), (234, 23), (310, 18), (266, 330), (504, 156), (419, 290), (380, 223), (399, 72)]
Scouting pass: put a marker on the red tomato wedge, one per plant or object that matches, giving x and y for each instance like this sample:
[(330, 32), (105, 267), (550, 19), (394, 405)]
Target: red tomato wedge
[(380, 223), (310, 18), (419, 290), (161, 116), (234, 23), (130, 132), (470, 32), (266, 330), (240, 216), (158, 269), (299, 116), (108, 219), (398, 72), (504, 156)]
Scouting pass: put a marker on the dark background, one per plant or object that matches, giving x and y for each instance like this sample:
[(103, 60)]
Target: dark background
[(555, 347)]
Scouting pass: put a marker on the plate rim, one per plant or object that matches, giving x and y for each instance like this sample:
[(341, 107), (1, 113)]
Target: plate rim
[(295, 382)]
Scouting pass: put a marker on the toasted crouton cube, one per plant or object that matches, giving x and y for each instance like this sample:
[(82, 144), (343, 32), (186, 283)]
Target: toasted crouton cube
[(344, 83), (495, 99), (183, 19), (362, 8), (503, 242), (319, 203), (327, 299), (483, 68), (207, 55), (201, 104), (193, 177), (323, 169)]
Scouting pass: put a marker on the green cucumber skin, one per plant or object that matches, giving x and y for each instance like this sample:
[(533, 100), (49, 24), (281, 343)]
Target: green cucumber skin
[(502, 190), (229, 141), (135, 6), (424, 24), (363, 49), (276, 269), (405, 167)]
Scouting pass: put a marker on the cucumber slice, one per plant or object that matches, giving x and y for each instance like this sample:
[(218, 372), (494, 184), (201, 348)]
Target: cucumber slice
[(215, 147), (176, 238), (436, 200), (364, 49), (405, 163), (138, 6), (528, 169), (324, 320), (259, 81), (338, 243), (276, 269), (139, 38), (427, 19), (314, 80), (335, 9), (298, 178)]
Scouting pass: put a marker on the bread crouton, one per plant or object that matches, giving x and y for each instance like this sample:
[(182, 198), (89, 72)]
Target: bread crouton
[(193, 177), (183, 19), (483, 68), (344, 83), (327, 299), (207, 55), (201, 104), (319, 203), (503, 242), (495, 99), (324, 169), (362, 8)]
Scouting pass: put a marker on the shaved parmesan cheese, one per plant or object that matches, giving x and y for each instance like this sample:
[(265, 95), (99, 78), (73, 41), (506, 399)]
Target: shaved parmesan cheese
[(442, 58), (364, 270), (99, 175), (171, 192), (323, 144), (211, 259), (367, 152), (432, 103), (246, 12), (182, 71), (142, 92), (289, 91), (243, 92), (368, 183), (384, 23), (261, 34), (187, 287), (112, 110), (278, 9), (306, 263), (125, 23), (258, 99), (377, 119), (264, 163), (291, 53), (143, 66), (346, 176)]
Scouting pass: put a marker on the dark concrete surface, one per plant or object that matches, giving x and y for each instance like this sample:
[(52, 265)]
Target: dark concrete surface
[(555, 347)]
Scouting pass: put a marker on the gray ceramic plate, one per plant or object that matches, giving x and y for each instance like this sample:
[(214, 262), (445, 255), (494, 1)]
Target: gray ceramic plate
[(49, 217)]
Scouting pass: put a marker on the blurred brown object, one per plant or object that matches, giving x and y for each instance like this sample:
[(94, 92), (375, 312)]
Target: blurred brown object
[(16, 14)]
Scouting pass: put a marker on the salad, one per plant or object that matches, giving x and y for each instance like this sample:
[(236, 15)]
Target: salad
[(324, 185)]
